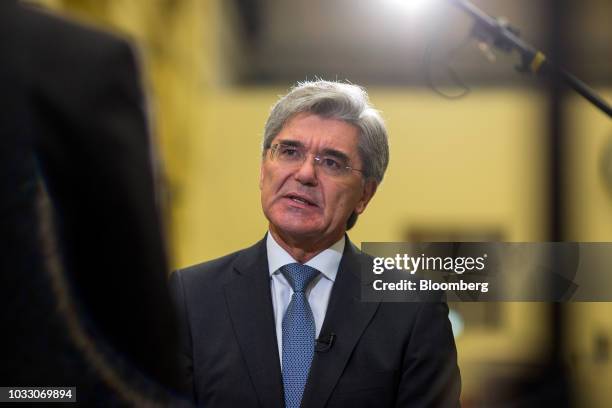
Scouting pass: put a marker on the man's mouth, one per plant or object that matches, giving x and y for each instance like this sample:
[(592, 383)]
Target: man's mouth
[(301, 200)]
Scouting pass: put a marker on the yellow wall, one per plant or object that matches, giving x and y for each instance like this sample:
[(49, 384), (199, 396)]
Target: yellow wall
[(589, 197), (476, 163), (452, 163)]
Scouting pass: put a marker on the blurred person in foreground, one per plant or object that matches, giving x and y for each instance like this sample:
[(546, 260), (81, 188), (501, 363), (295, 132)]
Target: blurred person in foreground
[(83, 279), (280, 323)]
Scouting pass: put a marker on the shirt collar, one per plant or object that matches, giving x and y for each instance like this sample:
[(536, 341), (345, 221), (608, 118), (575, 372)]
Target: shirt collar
[(326, 262)]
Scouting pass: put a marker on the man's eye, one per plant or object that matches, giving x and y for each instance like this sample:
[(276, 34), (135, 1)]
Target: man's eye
[(331, 163), (289, 152)]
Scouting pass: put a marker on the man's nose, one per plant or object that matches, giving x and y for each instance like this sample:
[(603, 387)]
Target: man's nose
[(306, 173)]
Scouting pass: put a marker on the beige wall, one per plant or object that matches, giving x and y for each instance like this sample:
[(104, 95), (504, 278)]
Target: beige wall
[(469, 163)]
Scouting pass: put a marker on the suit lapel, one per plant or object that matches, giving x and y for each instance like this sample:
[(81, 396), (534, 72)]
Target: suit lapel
[(347, 318), (250, 307)]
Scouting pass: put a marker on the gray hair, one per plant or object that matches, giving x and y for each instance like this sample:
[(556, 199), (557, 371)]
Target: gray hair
[(336, 100)]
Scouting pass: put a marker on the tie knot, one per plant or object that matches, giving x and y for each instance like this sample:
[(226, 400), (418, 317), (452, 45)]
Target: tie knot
[(299, 276)]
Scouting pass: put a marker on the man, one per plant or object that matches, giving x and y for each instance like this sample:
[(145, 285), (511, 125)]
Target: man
[(249, 320)]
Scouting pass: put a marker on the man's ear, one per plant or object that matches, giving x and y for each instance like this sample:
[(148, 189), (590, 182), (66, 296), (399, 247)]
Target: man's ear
[(369, 188)]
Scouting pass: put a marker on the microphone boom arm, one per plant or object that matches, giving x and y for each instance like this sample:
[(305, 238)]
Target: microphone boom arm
[(533, 61)]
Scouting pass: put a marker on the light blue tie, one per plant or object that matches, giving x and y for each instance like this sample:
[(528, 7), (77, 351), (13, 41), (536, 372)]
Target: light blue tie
[(298, 334)]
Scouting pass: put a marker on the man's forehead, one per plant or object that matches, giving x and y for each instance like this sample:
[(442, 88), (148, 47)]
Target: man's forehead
[(315, 132)]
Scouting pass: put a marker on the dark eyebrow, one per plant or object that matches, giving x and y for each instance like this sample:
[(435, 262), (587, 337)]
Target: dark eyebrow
[(292, 143), (335, 153)]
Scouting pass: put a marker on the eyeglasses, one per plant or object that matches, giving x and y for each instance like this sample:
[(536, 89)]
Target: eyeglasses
[(330, 164)]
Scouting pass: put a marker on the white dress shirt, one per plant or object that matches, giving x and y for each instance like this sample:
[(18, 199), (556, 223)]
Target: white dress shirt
[(318, 292)]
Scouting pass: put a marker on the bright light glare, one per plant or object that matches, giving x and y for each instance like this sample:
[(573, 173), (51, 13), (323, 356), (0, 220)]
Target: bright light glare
[(411, 6), (416, 5)]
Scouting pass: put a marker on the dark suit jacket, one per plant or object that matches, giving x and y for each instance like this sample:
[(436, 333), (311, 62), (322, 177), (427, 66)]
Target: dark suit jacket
[(72, 119), (383, 355)]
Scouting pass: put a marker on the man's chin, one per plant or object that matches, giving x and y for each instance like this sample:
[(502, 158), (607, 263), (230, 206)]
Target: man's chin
[(297, 230)]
